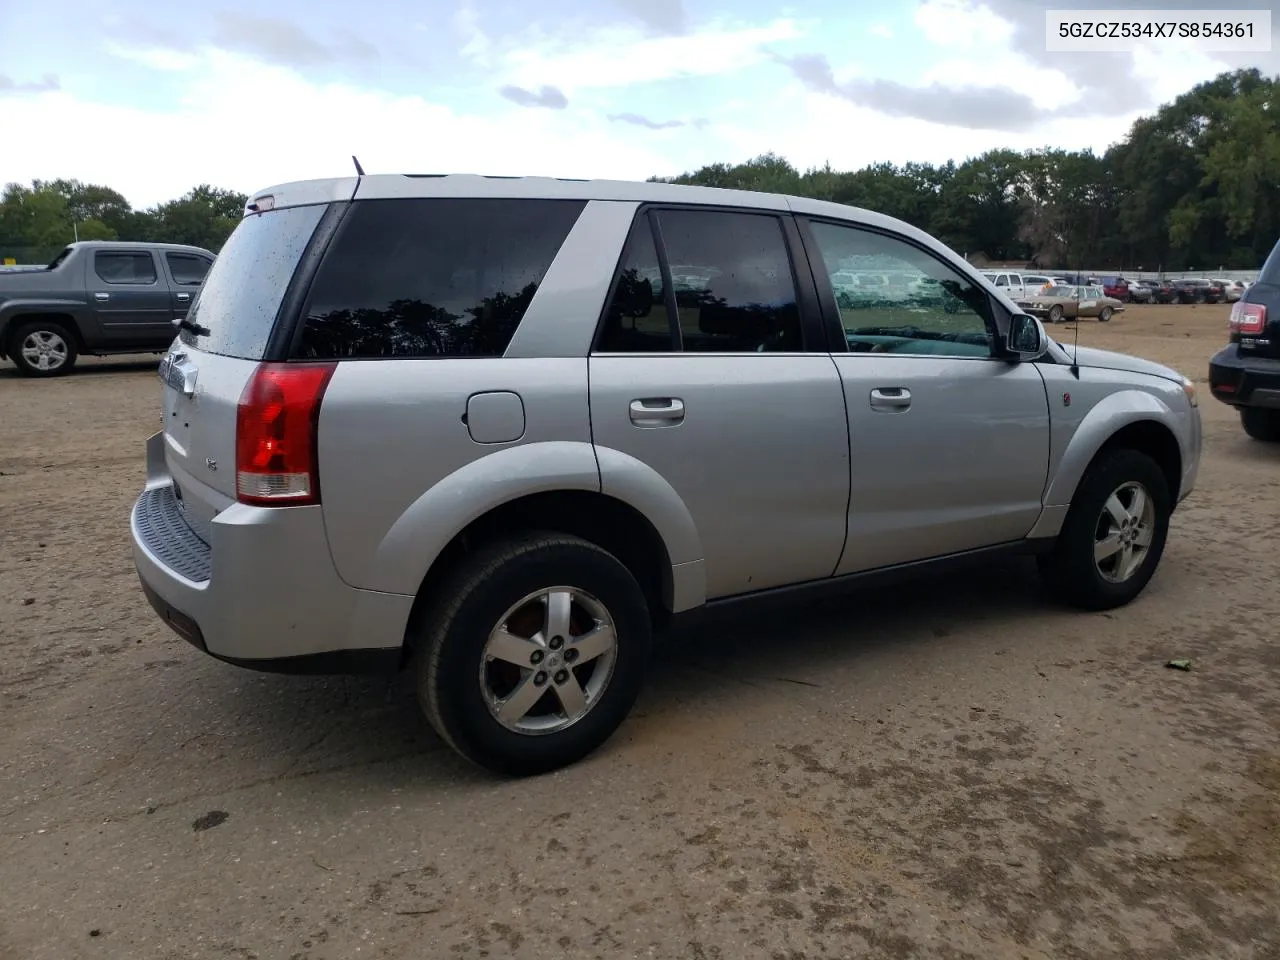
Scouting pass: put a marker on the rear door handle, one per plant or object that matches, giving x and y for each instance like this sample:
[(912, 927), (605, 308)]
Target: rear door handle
[(890, 398), (657, 412), (102, 296)]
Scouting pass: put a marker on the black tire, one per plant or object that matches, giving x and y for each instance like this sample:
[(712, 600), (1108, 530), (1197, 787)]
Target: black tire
[(1055, 313), (1069, 569), (1261, 424), (53, 333), (451, 651), (1104, 315)]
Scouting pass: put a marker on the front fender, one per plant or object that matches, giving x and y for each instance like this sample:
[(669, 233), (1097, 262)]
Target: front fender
[(1109, 415)]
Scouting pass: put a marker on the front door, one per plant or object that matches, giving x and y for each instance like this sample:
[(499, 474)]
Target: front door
[(949, 446), (720, 385), (130, 300)]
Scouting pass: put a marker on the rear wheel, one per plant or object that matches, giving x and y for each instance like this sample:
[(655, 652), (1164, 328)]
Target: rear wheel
[(534, 653), (1261, 424), (1055, 313), (43, 348), (1105, 315), (1114, 534)]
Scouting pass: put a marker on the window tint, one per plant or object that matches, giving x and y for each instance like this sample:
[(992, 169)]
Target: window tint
[(732, 280), (186, 269), (237, 305), (933, 310), (636, 320), (432, 277), (124, 267)]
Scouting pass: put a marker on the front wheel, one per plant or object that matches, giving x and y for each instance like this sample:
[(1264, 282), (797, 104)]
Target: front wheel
[(534, 653), (1055, 314), (1105, 315), (1114, 534), (43, 348), (1261, 424)]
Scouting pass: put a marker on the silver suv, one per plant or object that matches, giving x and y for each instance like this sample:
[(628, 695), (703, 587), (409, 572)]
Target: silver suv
[(479, 425)]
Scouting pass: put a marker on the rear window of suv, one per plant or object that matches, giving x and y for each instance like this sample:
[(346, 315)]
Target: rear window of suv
[(236, 308), (431, 277)]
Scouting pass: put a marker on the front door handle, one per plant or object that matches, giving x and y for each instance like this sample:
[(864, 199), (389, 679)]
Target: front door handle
[(184, 296), (100, 297), (890, 398), (657, 412)]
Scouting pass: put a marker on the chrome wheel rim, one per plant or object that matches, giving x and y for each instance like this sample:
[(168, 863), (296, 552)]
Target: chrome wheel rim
[(44, 350), (548, 660), (1124, 531)]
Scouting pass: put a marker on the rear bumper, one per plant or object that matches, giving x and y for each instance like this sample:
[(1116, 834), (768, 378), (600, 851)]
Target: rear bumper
[(1244, 381), (263, 592)]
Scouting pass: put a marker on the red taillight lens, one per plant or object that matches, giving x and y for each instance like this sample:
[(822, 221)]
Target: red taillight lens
[(276, 428), (1248, 318)]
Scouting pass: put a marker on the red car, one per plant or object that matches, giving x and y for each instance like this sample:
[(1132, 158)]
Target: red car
[(1117, 287)]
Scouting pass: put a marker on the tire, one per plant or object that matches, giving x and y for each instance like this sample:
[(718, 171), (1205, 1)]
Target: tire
[(1104, 315), (1070, 570), (1261, 424), (1055, 313), (43, 348), (461, 686)]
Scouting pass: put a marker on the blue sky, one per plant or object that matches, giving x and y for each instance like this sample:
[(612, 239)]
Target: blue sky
[(154, 97)]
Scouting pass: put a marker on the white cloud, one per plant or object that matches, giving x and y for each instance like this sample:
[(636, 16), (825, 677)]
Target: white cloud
[(1048, 88), (248, 125), (619, 56), (157, 58), (961, 24), (882, 30)]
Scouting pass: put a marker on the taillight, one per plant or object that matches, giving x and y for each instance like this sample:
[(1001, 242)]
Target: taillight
[(276, 427), (1248, 319)]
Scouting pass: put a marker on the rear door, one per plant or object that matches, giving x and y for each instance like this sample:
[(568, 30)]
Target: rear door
[(726, 390), (207, 368), (129, 298), (949, 446), (186, 272)]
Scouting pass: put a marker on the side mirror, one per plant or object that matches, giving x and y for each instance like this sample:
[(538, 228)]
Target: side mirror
[(1026, 340)]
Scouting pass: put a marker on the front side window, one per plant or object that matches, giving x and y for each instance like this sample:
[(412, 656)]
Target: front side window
[(936, 312), (432, 277), (121, 267)]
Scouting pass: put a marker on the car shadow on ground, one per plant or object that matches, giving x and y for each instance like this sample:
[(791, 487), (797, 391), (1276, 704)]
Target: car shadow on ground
[(326, 724)]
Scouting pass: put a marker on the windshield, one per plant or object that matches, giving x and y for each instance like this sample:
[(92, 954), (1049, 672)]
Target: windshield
[(1060, 292)]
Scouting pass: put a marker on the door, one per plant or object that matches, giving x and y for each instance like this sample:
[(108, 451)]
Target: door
[(186, 273), (724, 390), (130, 301), (1016, 288), (949, 446)]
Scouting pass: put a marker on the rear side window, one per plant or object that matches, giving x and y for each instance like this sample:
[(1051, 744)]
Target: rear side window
[(137, 267), (236, 308), (186, 269), (432, 277)]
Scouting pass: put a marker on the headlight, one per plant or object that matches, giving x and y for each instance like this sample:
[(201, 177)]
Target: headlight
[(1189, 389)]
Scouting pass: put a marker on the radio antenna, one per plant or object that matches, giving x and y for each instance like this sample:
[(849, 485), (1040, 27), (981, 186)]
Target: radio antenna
[(1075, 342), (359, 169)]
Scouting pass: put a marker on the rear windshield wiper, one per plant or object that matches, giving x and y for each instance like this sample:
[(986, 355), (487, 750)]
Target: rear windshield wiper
[(182, 323)]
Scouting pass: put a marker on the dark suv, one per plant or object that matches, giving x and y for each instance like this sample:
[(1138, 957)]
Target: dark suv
[(1199, 291), (1246, 373)]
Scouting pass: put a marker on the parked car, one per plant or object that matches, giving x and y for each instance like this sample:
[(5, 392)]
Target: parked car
[(1163, 291), (1071, 303), (454, 422), (97, 298), (1117, 288), (1197, 290), (1140, 291), (1011, 283), (1246, 373), (1231, 289)]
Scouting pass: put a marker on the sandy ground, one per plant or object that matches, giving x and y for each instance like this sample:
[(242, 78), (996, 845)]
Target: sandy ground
[(954, 770)]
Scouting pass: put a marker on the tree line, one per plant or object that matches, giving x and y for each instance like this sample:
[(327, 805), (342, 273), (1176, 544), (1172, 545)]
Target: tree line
[(1192, 186)]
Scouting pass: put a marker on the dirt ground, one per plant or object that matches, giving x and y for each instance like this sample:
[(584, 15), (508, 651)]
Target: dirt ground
[(951, 770)]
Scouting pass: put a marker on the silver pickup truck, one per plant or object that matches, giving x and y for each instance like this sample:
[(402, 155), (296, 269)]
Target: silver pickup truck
[(100, 297)]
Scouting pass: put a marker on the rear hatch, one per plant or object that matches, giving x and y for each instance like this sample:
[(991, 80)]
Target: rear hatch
[(1255, 317), (227, 333)]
